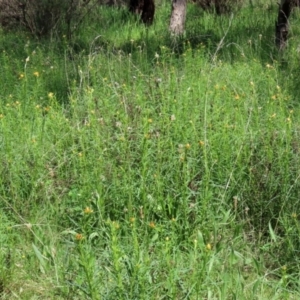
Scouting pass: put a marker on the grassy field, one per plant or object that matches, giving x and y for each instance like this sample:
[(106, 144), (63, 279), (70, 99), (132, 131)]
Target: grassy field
[(137, 166)]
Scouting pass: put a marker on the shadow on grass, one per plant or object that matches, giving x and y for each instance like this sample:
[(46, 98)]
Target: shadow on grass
[(249, 32)]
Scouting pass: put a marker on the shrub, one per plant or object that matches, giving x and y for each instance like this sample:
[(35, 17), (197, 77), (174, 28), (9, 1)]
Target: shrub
[(40, 17)]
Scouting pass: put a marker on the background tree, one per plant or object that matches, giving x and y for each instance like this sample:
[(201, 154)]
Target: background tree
[(178, 14), (144, 8), (282, 26)]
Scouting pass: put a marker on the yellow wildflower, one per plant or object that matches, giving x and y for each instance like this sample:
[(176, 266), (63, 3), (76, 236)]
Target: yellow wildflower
[(284, 268), (152, 224), (79, 237), (88, 210), (116, 224)]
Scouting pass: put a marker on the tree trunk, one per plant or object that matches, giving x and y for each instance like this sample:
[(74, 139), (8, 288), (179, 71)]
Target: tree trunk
[(148, 12), (282, 24), (177, 21), (144, 8)]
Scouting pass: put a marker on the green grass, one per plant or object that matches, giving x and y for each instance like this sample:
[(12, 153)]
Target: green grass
[(134, 166)]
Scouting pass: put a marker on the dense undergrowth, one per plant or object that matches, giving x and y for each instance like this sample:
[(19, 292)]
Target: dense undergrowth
[(135, 166)]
